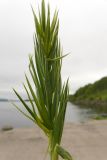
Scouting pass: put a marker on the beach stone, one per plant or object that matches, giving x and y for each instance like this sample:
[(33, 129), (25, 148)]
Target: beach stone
[(7, 128)]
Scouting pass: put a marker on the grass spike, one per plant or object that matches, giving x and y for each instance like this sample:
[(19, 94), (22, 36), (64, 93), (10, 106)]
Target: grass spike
[(47, 95)]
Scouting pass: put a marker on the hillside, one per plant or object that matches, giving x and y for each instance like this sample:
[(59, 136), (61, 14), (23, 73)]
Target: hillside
[(95, 93), (3, 100)]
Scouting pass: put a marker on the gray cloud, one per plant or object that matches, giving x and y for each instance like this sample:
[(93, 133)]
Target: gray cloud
[(83, 32)]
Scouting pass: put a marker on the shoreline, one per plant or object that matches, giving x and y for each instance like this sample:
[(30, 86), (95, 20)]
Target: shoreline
[(85, 141), (88, 103)]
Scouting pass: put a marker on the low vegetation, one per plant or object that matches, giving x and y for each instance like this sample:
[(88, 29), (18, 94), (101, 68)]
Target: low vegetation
[(100, 117)]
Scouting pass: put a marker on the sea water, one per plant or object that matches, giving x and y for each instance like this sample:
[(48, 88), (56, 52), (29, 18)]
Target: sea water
[(10, 116)]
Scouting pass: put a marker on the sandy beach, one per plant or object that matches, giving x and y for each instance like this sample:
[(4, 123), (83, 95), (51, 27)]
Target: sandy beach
[(87, 141)]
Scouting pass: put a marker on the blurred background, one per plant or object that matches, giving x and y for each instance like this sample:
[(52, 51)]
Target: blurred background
[(83, 33)]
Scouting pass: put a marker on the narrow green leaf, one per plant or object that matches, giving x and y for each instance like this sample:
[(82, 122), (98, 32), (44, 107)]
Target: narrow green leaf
[(42, 111), (43, 15), (37, 25), (29, 98), (63, 153), (25, 105), (54, 21), (24, 113), (58, 58)]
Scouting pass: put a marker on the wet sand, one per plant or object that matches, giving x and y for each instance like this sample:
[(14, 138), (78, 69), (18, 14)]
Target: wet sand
[(87, 141)]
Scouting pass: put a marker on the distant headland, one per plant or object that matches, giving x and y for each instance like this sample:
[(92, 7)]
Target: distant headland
[(91, 94), (3, 100), (10, 100)]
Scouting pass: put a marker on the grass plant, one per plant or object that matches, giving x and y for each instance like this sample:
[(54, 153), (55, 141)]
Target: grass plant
[(47, 95)]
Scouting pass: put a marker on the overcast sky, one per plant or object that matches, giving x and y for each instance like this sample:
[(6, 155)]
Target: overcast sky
[(83, 32)]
